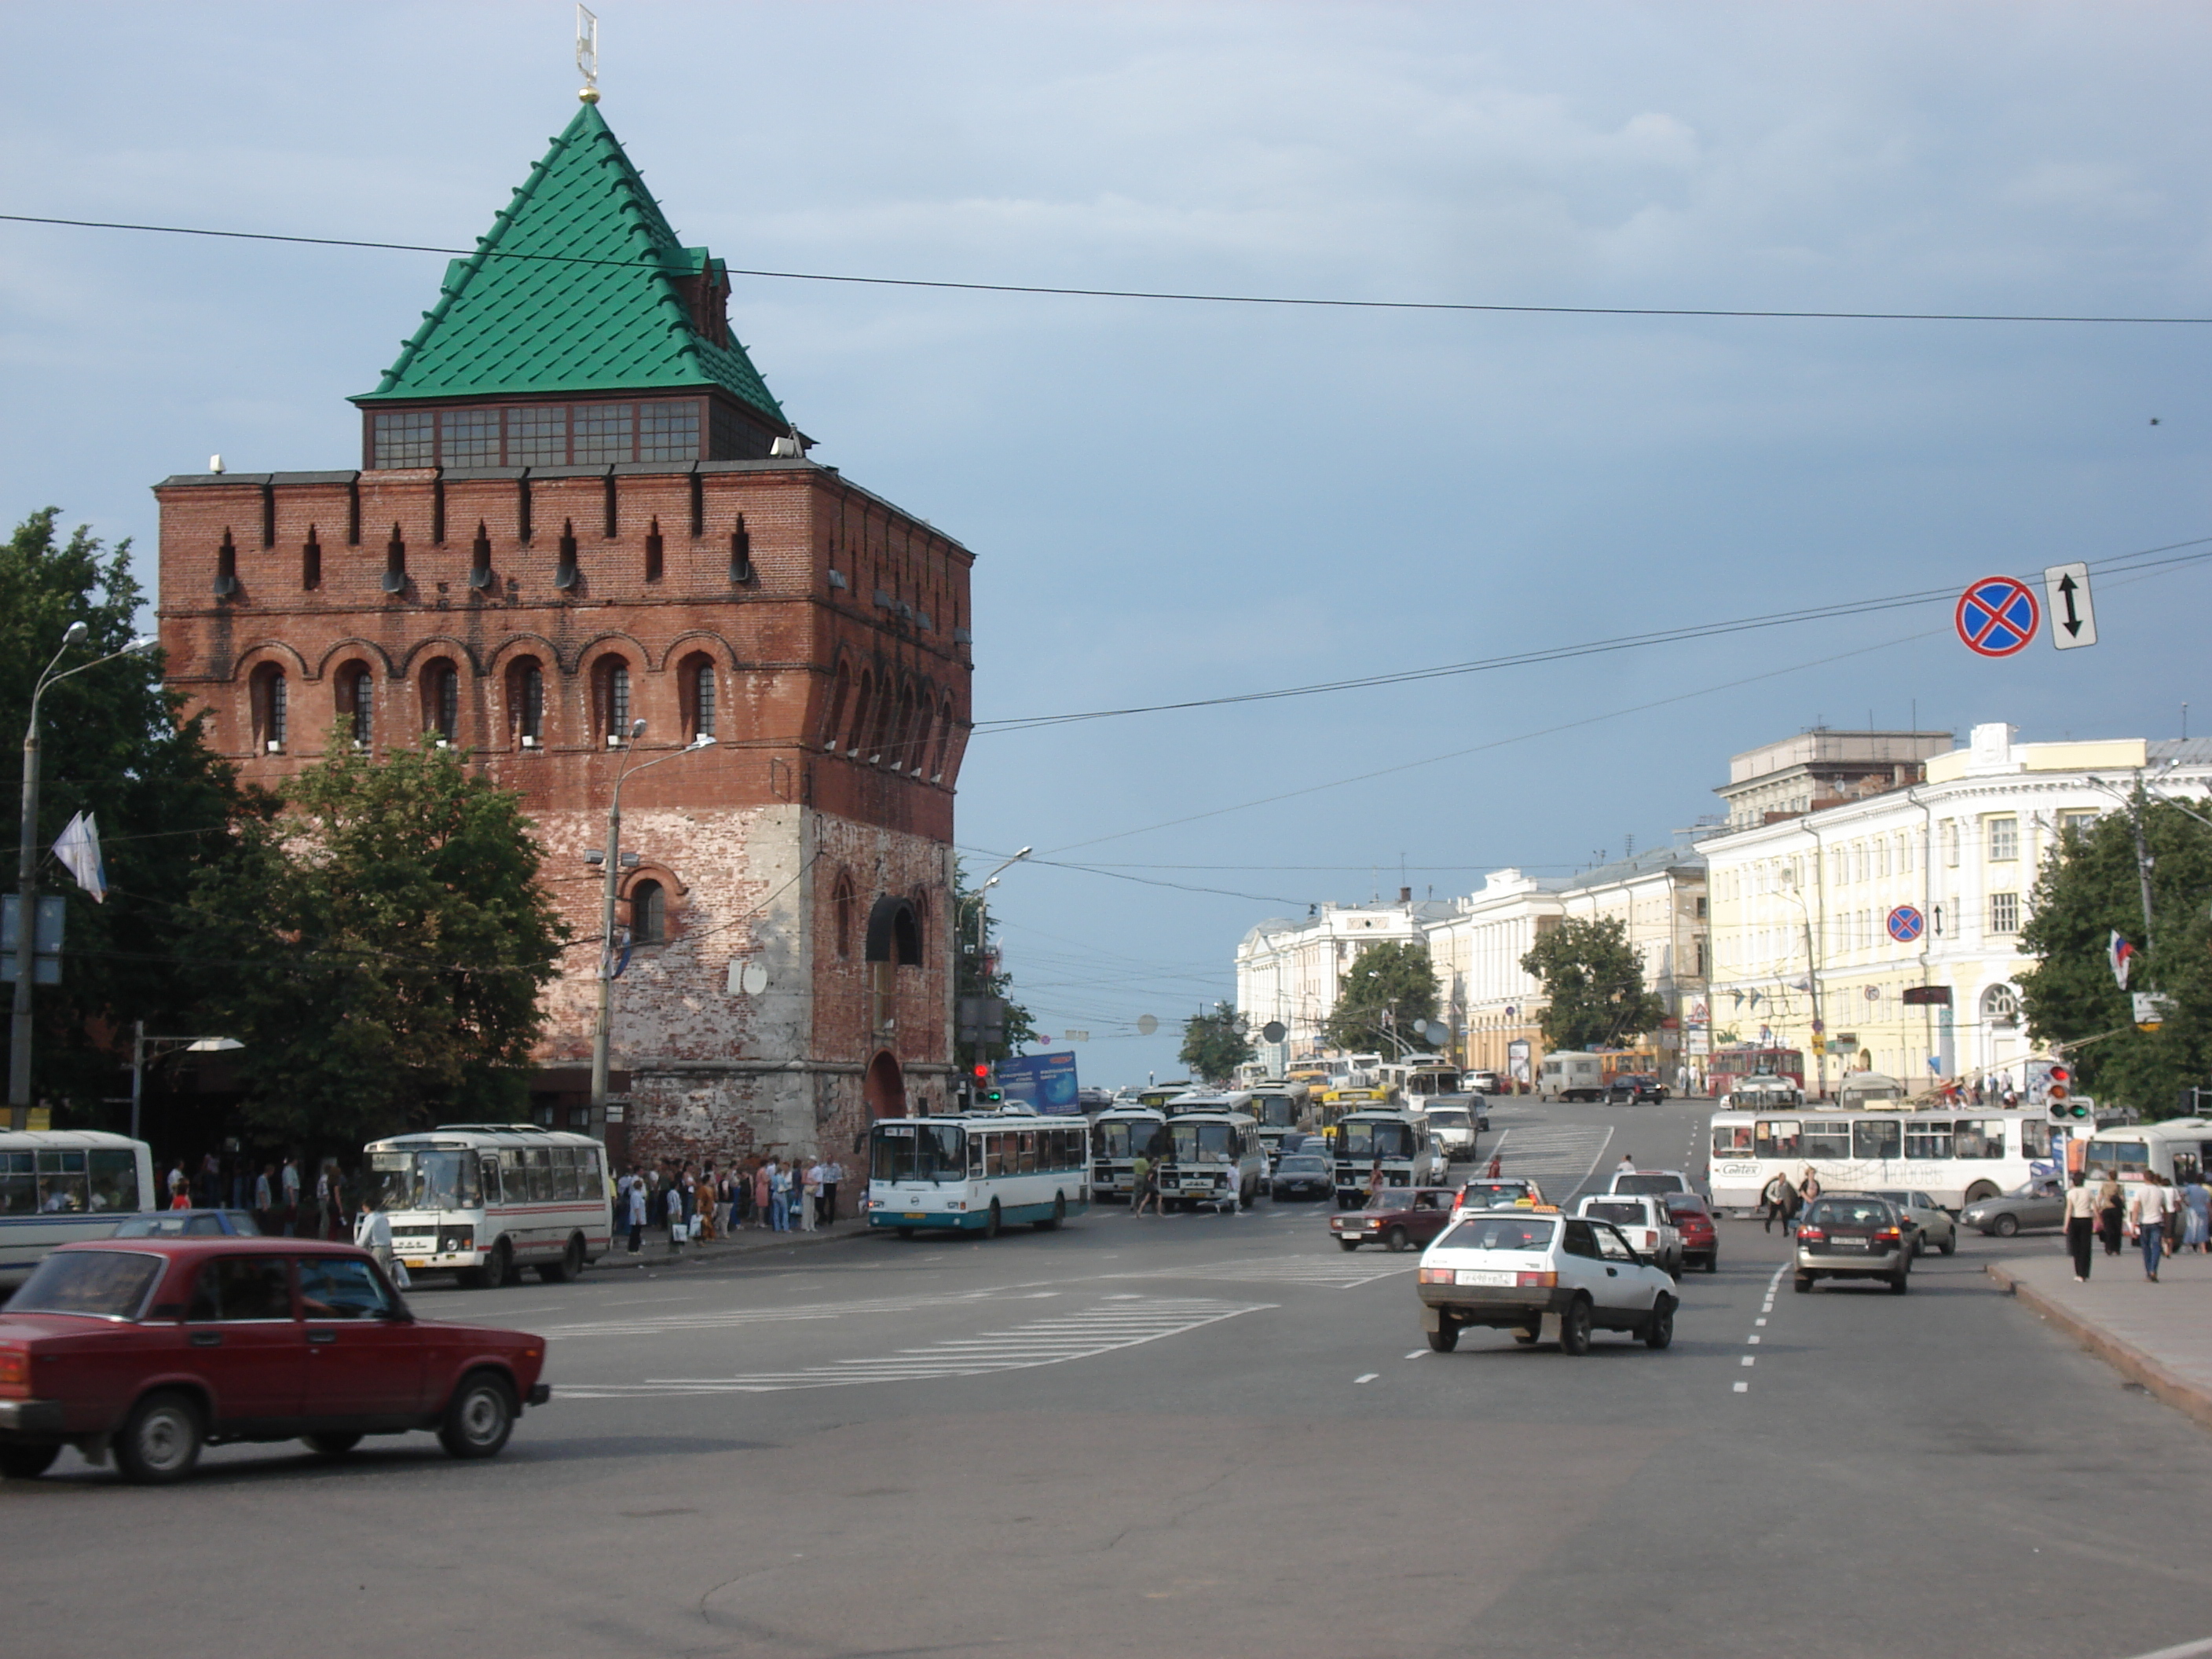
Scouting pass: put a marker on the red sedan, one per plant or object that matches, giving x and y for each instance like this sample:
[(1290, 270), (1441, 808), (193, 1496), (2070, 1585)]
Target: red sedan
[(152, 1348)]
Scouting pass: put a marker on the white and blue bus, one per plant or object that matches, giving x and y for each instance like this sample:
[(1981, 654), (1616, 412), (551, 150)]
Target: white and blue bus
[(976, 1171), (58, 1186)]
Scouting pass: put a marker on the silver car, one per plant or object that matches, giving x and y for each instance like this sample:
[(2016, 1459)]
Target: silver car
[(1854, 1235), (1931, 1222), (2037, 1204)]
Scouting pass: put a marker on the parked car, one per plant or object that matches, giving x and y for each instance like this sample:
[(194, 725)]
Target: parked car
[(1854, 1235), (1496, 1193), (1643, 1221), (1661, 1181), (1931, 1223), (155, 1348), (1395, 1217), (1481, 1083), (1693, 1219), (1507, 1269), (189, 1224), (2029, 1207), (1633, 1088), (1302, 1174)]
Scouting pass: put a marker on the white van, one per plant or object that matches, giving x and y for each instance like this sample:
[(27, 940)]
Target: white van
[(1571, 1074), (1862, 1090)]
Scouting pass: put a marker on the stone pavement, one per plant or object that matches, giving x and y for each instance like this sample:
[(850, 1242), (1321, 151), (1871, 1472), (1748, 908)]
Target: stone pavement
[(2158, 1335)]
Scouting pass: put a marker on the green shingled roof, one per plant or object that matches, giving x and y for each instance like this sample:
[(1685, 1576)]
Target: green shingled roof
[(557, 326)]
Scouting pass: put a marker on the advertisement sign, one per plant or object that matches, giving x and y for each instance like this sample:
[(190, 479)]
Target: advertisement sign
[(1043, 1083), (1518, 1066)]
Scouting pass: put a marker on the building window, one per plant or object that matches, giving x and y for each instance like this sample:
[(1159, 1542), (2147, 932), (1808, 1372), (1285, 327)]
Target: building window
[(1951, 843), (702, 701), (943, 741), (271, 709), (841, 691), (441, 700), (604, 432), (311, 562), (2004, 912), (614, 699), (648, 914), (2004, 839), (538, 436), (470, 438), (843, 903), (405, 438), (356, 700), (526, 696), (668, 431), (2075, 823)]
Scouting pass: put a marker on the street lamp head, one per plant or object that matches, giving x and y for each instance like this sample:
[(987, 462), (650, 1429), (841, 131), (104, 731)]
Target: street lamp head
[(988, 886), (142, 645), (1025, 852), (637, 728), (73, 634)]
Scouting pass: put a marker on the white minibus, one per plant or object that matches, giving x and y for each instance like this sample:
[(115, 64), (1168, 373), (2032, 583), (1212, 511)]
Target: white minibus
[(486, 1198), (57, 1186)]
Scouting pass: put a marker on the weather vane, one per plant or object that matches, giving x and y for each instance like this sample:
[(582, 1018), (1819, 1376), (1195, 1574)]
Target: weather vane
[(587, 53)]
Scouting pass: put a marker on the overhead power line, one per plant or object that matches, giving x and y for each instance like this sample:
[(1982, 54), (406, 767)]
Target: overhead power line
[(1175, 295)]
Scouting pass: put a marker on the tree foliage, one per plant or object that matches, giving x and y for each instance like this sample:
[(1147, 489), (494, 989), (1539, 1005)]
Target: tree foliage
[(2089, 890), (385, 938), (984, 975), (111, 745), (1593, 983), (1214, 1044), (1385, 995)]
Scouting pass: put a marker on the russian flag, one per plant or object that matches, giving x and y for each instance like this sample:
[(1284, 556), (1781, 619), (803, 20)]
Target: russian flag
[(2122, 954)]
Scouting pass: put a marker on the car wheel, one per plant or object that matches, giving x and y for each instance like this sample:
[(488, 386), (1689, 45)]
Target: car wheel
[(1575, 1326), (570, 1264), (27, 1462), (1348, 1243), (1395, 1240), (1445, 1338), (332, 1446), (1919, 1245), (160, 1441), (479, 1417), (1659, 1329), (1802, 1283), (1900, 1283), (1950, 1244), (991, 1222), (2005, 1225)]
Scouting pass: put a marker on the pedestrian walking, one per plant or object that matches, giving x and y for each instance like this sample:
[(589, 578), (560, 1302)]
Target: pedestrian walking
[(372, 1233), (2148, 1213), (677, 1218), (265, 1199), (707, 1195), (761, 1184), (290, 1181), (1141, 1186), (1770, 1205), (2196, 1222), (2111, 1214), (2080, 1224), (1792, 1201)]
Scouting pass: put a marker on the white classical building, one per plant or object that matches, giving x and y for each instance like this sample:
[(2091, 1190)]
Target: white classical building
[(1801, 908), (1288, 970)]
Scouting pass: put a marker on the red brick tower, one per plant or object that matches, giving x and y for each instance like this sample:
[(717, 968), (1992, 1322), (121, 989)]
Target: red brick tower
[(579, 506)]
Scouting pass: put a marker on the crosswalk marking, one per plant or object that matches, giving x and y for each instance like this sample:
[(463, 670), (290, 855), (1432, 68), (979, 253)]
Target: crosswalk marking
[(1560, 1158), (1346, 1272), (734, 1318), (1051, 1341)]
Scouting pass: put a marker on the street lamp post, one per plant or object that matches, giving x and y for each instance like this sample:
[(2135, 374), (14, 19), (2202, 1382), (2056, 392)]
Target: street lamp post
[(982, 929), (141, 1044), (612, 875), (27, 873)]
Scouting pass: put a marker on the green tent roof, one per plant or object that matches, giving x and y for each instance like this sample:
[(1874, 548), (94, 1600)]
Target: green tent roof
[(602, 313)]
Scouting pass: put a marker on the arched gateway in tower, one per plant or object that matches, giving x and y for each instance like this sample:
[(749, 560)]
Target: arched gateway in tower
[(579, 506)]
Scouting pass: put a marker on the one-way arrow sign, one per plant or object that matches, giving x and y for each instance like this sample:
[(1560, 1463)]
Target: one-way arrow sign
[(2073, 621)]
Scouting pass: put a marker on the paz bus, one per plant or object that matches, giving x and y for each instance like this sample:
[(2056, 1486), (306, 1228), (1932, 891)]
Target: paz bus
[(1400, 1141), (976, 1171), (485, 1200), (1117, 1137)]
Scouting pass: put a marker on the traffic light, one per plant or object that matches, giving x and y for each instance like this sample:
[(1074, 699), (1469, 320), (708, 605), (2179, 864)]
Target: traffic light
[(985, 1093), (2059, 1095)]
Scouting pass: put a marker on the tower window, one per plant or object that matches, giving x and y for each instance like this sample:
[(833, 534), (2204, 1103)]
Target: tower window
[(357, 701), (653, 565), (614, 699), (538, 436), (271, 710), (699, 682), (404, 438), (442, 699), (648, 914), (527, 698), (604, 432), (471, 437), (311, 562), (668, 431)]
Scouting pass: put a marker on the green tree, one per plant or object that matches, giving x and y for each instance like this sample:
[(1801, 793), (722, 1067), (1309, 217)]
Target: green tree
[(111, 744), (979, 973), (2087, 891), (1386, 994), (1593, 983), (1214, 1044), (385, 939)]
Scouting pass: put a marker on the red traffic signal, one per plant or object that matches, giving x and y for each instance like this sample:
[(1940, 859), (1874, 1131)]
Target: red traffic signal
[(982, 1072), (2061, 1083)]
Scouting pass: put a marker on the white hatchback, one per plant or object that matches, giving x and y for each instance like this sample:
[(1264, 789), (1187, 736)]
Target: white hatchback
[(1508, 1269), (1645, 1223)]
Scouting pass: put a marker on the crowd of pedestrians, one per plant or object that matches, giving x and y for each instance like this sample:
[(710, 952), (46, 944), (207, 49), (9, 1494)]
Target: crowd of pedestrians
[(693, 1203), (2164, 1218)]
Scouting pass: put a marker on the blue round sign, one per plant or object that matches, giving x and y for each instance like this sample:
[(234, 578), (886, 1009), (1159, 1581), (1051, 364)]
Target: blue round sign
[(1906, 923)]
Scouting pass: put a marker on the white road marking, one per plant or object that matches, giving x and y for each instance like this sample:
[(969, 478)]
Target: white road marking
[(1560, 1158), (2186, 1651), (1754, 1338), (1418, 1354), (736, 1318), (1761, 1322), (1748, 1360), (1041, 1342), (1369, 1378), (1743, 1388), (1345, 1273)]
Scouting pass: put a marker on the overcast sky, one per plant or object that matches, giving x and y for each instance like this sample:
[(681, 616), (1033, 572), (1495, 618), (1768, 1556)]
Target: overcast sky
[(1172, 500)]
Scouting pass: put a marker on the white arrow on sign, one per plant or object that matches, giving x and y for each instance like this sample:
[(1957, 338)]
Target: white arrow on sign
[(2073, 621)]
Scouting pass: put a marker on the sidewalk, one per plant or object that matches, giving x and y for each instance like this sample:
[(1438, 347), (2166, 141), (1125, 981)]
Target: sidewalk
[(748, 1241), (2158, 1335)]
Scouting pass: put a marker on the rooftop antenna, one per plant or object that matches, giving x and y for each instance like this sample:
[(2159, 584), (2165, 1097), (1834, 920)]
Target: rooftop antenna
[(587, 53)]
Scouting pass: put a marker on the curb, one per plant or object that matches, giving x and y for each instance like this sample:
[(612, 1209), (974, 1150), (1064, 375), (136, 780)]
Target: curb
[(618, 1260), (2191, 1400)]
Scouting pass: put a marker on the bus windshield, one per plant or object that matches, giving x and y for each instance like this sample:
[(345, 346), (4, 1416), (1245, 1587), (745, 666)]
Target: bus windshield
[(920, 1152), (1363, 1142), (1204, 1142), (1127, 1137), (425, 1180), (1275, 1111)]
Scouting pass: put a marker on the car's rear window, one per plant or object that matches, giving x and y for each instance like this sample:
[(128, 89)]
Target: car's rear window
[(99, 1284), (1489, 1194), (1685, 1204), (1630, 1214), (1501, 1230), (1647, 1182), (1299, 1163), (1847, 1212)]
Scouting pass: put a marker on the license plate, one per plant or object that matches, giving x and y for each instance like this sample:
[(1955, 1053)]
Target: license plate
[(414, 1262), (1847, 1244), (1484, 1276), (917, 1216)]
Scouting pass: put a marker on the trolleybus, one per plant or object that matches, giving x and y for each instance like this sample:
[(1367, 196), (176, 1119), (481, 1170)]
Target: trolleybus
[(487, 1199), (1960, 1157), (57, 1186), (978, 1171)]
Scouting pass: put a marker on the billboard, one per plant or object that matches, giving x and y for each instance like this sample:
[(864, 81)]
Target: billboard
[(1043, 1083)]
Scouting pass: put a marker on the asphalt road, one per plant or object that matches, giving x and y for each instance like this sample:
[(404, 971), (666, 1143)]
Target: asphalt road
[(1194, 1435)]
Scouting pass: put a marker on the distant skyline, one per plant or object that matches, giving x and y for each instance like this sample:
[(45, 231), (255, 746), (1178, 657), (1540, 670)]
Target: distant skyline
[(1171, 501)]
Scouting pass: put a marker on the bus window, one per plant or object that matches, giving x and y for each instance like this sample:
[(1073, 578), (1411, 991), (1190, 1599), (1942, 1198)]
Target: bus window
[(114, 1179), (2185, 1169), (1984, 1137), (19, 1192), (1732, 1141), (1775, 1137), (975, 1156), (1876, 1138), (1826, 1139), (1029, 1152), (2034, 1139), (62, 1185), (1928, 1139), (994, 1155), (2129, 1159)]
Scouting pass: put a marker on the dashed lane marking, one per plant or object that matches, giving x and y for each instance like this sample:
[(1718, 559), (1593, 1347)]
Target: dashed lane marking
[(1369, 1378), (1083, 1335)]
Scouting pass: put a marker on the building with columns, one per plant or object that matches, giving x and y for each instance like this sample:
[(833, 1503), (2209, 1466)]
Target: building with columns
[(1290, 969), (578, 506)]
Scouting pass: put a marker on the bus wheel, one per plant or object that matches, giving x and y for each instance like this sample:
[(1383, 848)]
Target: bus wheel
[(906, 1233), (496, 1271), (991, 1221), (569, 1266), (1059, 1213)]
